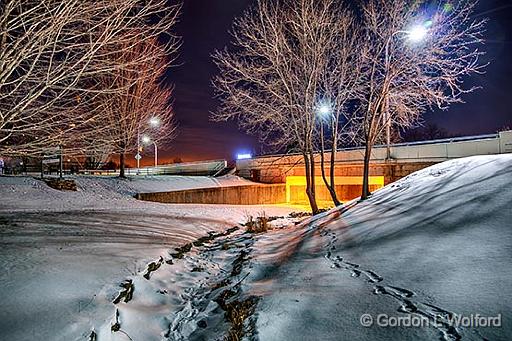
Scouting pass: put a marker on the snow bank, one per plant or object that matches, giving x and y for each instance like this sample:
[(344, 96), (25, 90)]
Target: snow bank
[(97, 192), (64, 254), (434, 244)]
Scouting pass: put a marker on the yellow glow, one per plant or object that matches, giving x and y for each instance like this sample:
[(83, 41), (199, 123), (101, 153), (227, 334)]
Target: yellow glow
[(376, 181), (338, 180)]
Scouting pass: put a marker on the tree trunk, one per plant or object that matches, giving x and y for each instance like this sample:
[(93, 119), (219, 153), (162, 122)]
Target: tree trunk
[(121, 166), (334, 148), (310, 183), (331, 187), (366, 172)]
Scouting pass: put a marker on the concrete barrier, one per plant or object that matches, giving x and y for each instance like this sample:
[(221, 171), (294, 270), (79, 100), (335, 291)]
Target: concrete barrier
[(405, 158), (260, 194), (205, 168), (234, 195)]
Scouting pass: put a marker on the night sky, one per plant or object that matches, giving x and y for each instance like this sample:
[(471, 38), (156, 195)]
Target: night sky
[(204, 27)]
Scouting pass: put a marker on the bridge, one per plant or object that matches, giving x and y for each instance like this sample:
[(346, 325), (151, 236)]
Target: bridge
[(405, 158), (281, 178)]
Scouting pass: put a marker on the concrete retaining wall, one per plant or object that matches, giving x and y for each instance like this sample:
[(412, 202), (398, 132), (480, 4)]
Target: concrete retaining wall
[(261, 194), (235, 195)]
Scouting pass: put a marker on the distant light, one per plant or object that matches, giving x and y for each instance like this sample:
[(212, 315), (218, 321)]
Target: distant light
[(244, 156), (146, 139), (324, 110), (417, 33), (448, 7), (154, 121)]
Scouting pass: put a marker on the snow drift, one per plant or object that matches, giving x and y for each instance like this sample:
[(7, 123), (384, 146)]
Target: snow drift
[(435, 244)]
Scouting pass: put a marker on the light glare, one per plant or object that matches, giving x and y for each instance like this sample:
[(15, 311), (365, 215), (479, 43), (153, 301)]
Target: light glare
[(244, 156), (417, 33), (324, 110), (155, 121)]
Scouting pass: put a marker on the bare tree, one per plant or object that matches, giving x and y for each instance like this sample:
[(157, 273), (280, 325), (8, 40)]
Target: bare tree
[(51, 52), (272, 81), (342, 89), (141, 102), (417, 57)]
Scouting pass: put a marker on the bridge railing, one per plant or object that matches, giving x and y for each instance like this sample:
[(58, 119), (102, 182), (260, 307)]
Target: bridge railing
[(210, 167), (433, 150)]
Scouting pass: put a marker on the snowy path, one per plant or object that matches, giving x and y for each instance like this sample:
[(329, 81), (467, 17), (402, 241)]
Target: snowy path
[(185, 296)]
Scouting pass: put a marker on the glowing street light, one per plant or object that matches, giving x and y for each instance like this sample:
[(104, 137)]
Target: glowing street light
[(417, 33), (324, 110), (146, 140), (154, 121)]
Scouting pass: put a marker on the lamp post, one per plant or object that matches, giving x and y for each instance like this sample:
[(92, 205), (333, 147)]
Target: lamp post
[(147, 139), (154, 122), (415, 35), (138, 156)]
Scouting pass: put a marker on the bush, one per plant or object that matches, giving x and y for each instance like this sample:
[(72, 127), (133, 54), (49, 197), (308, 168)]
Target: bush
[(260, 225)]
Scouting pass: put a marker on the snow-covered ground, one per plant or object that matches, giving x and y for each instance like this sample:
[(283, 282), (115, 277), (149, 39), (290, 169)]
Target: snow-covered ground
[(64, 254), (98, 192), (434, 245)]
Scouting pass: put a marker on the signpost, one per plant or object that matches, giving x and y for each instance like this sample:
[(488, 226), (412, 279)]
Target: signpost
[(50, 161), (138, 157), (54, 156)]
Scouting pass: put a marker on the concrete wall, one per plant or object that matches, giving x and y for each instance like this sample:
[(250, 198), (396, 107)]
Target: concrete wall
[(260, 194), (236, 195), (405, 158), (391, 171)]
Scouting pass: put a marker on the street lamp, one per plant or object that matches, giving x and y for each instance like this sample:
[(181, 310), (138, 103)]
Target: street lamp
[(153, 122), (415, 34), (146, 139), (324, 110)]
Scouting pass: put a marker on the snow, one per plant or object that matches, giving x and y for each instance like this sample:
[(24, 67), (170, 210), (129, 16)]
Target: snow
[(64, 254), (441, 234), (435, 243), (98, 192)]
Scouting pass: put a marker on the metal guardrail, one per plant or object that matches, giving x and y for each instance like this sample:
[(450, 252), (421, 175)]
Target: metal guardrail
[(210, 167), (403, 144), (447, 140)]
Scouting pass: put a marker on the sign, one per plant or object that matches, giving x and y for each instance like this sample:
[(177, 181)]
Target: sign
[(138, 157), (244, 156), (48, 161)]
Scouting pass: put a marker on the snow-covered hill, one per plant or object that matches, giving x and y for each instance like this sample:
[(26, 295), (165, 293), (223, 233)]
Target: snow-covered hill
[(97, 192), (434, 244)]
